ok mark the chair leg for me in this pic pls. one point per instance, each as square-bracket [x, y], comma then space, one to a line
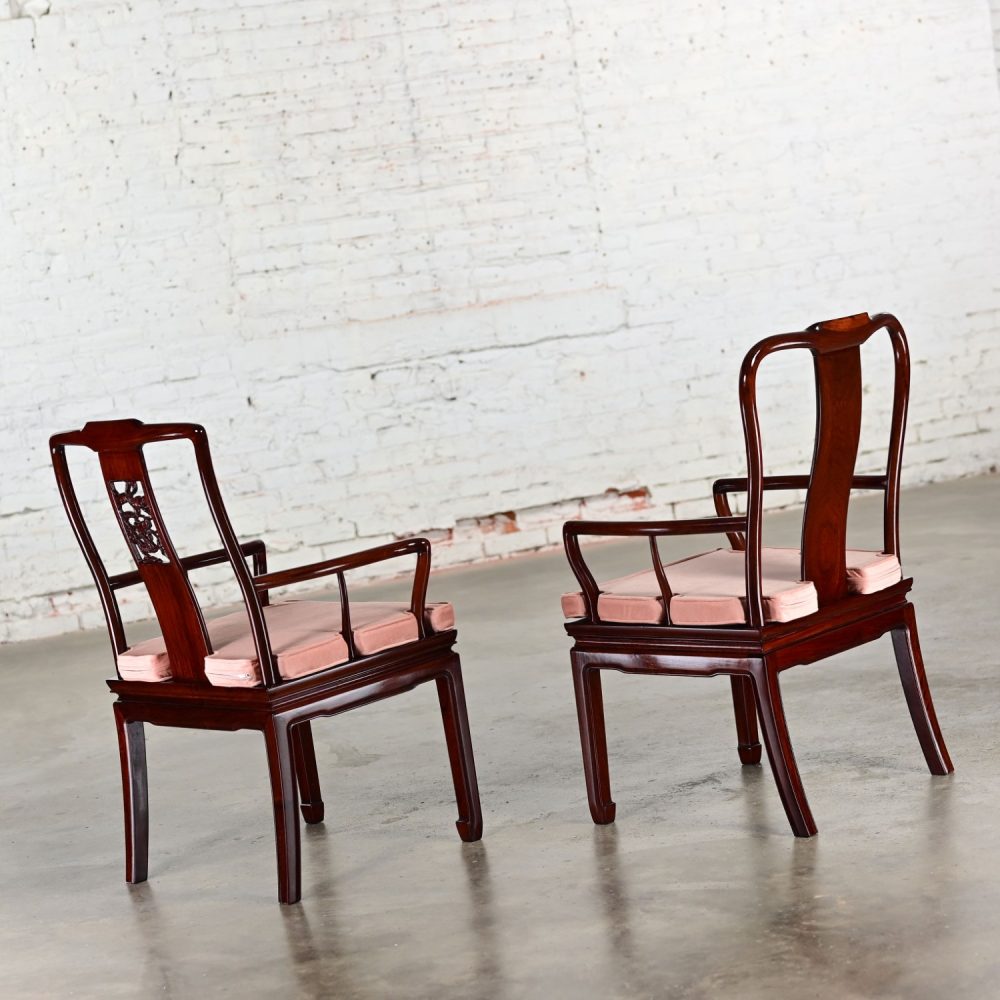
[593, 739]
[451, 696]
[748, 744]
[285, 797]
[308, 775]
[779, 750]
[918, 694]
[135, 795]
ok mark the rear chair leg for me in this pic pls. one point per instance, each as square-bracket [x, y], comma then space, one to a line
[451, 696]
[308, 775]
[593, 739]
[135, 795]
[779, 750]
[747, 742]
[918, 694]
[285, 797]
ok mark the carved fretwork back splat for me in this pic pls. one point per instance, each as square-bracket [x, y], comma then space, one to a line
[138, 523]
[162, 572]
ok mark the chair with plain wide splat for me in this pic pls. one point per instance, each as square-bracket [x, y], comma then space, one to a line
[750, 611]
[271, 666]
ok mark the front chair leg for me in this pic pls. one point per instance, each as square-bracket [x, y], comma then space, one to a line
[918, 694]
[593, 739]
[779, 750]
[454, 714]
[285, 797]
[747, 742]
[135, 795]
[308, 775]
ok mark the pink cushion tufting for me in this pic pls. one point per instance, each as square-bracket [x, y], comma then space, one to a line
[710, 589]
[305, 637]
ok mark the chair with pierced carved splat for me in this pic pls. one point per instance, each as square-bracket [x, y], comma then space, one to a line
[750, 611]
[272, 667]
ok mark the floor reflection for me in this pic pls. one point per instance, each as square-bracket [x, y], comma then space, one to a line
[311, 962]
[483, 918]
[158, 975]
[628, 966]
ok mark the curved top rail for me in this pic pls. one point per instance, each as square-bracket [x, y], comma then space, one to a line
[125, 435]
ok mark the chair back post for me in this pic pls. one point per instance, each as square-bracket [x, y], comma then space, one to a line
[755, 481]
[71, 503]
[897, 432]
[251, 596]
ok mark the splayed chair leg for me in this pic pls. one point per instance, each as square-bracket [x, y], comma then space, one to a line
[779, 750]
[918, 694]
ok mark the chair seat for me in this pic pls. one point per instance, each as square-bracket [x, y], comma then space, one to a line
[305, 637]
[710, 589]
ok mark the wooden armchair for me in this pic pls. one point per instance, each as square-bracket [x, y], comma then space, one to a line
[272, 667]
[751, 612]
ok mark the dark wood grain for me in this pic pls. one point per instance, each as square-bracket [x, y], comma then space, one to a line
[754, 654]
[282, 711]
[838, 430]
[135, 795]
[747, 738]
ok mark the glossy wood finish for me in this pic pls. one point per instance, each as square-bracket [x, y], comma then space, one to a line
[590, 712]
[451, 697]
[313, 810]
[135, 795]
[918, 695]
[745, 708]
[282, 711]
[755, 654]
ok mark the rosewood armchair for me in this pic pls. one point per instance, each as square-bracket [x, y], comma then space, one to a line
[750, 611]
[272, 667]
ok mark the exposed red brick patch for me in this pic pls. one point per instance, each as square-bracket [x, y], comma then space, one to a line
[639, 497]
[502, 523]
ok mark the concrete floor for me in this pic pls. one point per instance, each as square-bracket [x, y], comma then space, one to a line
[698, 890]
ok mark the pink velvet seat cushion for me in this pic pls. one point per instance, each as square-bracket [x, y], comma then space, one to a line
[868, 572]
[710, 589]
[305, 637]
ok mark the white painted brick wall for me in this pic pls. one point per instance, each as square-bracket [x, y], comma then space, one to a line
[465, 267]
[995, 16]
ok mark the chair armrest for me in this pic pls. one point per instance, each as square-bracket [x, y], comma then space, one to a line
[338, 566]
[646, 529]
[652, 530]
[256, 549]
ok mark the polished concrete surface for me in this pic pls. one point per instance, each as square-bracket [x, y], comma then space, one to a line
[698, 890]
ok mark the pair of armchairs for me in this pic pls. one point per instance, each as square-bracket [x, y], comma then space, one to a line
[747, 611]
